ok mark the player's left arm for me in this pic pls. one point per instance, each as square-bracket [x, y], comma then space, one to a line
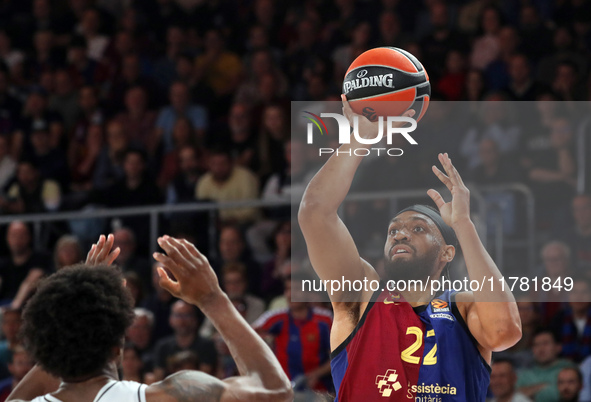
[490, 313]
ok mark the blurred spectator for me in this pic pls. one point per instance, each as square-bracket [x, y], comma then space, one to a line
[85, 145]
[572, 325]
[131, 76]
[19, 365]
[30, 193]
[128, 260]
[578, 235]
[84, 70]
[557, 264]
[272, 138]
[567, 80]
[540, 381]
[570, 384]
[452, 82]
[159, 304]
[183, 136]
[180, 106]
[241, 141]
[10, 56]
[221, 68]
[46, 57]
[183, 184]
[22, 268]
[136, 187]
[139, 334]
[7, 163]
[90, 26]
[165, 67]
[134, 284]
[522, 85]
[585, 371]
[486, 47]
[475, 87]
[536, 37]
[225, 181]
[390, 31]
[184, 360]
[343, 56]
[109, 163]
[552, 173]
[132, 367]
[10, 106]
[290, 330]
[35, 116]
[137, 121]
[184, 322]
[273, 274]
[495, 122]
[565, 48]
[68, 251]
[49, 159]
[232, 247]
[492, 168]
[521, 353]
[235, 284]
[502, 383]
[11, 325]
[497, 72]
[64, 100]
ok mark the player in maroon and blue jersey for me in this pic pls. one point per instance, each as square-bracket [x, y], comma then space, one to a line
[412, 345]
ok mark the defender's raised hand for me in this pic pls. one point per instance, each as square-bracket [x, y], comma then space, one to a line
[195, 281]
[100, 252]
[458, 209]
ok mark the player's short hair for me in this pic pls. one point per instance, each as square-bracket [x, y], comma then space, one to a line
[76, 318]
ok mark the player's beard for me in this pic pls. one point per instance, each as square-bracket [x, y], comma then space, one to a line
[415, 268]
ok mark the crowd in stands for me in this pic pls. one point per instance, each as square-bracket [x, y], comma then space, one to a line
[124, 103]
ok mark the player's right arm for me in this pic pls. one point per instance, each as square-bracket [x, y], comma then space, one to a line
[331, 248]
[262, 378]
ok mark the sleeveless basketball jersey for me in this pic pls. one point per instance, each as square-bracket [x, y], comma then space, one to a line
[400, 353]
[120, 391]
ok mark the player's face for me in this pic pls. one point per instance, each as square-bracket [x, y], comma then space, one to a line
[568, 385]
[413, 246]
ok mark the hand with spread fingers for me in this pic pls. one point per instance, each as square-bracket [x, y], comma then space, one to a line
[458, 209]
[196, 282]
[100, 252]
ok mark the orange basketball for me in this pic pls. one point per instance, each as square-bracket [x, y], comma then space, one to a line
[387, 81]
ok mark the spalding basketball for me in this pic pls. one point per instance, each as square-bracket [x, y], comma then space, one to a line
[387, 81]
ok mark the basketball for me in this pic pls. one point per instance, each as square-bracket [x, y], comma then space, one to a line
[387, 81]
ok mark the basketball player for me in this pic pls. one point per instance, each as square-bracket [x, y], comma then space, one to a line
[383, 346]
[75, 326]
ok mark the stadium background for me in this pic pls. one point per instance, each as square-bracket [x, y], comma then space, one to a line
[122, 103]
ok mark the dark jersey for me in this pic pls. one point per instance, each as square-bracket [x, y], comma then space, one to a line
[401, 353]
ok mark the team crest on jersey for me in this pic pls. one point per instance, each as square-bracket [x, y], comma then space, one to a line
[388, 383]
[439, 305]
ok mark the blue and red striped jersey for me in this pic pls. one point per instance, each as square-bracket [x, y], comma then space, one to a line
[300, 345]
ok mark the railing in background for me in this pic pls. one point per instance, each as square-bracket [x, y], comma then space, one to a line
[155, 211]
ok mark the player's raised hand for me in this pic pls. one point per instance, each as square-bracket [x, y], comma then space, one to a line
[100, 252]
[195, 281]
[367, 128]
[458, 209]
